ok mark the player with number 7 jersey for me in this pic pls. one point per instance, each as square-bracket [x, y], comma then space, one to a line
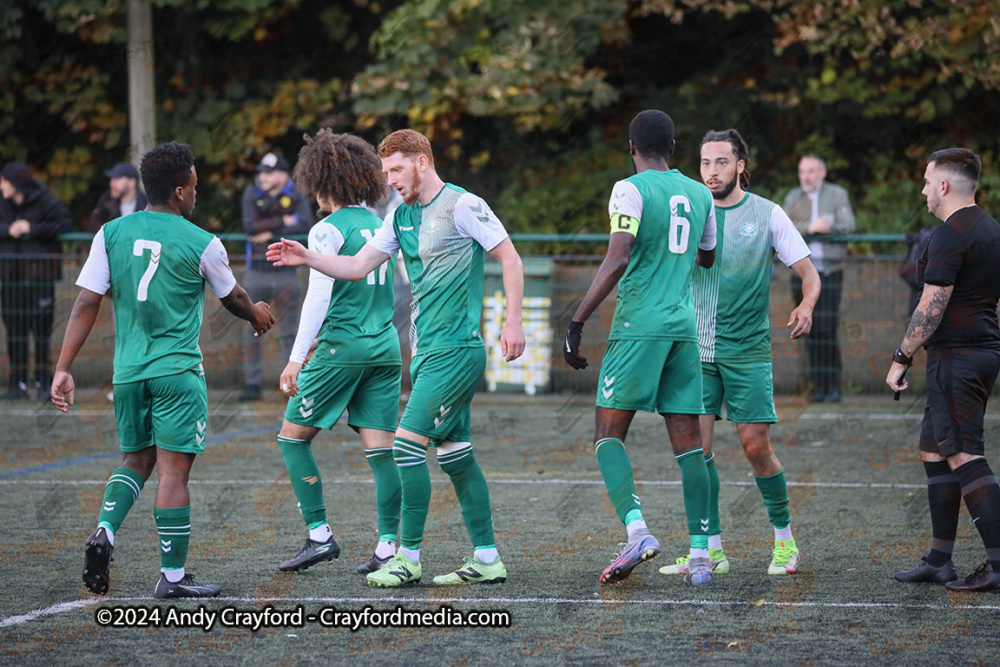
[158, 264]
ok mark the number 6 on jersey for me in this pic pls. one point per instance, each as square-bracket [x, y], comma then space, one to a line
[138, 248]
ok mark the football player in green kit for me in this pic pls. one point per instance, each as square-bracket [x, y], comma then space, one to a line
[444, 233]
[356, 364]
[734, 335]
[156, 264]
[662, 222]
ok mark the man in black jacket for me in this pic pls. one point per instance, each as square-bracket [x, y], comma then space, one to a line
[122, 197]
[272, 207]
[30, 264]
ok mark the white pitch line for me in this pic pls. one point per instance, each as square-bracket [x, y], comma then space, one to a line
[78, 604]
[48, 611]
[588, 482]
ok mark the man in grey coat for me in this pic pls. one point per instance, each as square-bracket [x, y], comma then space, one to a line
[818, 208]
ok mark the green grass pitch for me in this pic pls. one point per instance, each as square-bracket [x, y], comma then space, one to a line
[859, 513]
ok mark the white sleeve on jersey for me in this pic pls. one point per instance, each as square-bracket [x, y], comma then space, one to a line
[786, 239]
[475, 220]
[317, 300]
[625, 200]
[708, 236]
[385, 237]
[96, 272]
[214, 268]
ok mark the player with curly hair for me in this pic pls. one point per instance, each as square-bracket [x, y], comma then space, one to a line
[444, 233]
[356, 365]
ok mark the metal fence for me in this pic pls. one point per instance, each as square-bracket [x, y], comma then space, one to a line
[873, 316]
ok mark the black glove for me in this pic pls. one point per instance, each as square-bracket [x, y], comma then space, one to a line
[571, 346]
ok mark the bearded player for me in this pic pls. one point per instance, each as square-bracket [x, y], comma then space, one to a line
[734, 337]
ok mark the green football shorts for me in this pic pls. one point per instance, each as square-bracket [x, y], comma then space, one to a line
[170, 412]
[370, 396]
[444, 383]
[661, 376]
[747, 386]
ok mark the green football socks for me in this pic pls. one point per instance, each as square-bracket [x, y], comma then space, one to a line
[616, 470]
[473, 493]
[388, 492]
[174, 527]
[120, 493]
[304, 475]
[714, 525]
[415, 480]
[775, 493]
[695, 482]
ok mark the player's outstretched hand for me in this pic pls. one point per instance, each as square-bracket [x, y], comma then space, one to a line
[512, 342]
[63, 390]
[289, 379]
[263, 319]
[286, 253]
[802, 318]
[571, 346]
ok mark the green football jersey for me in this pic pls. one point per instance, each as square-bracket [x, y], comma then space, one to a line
[444, 245]
[676, 217]
[732, 297]
[357, 330]
[156, 265]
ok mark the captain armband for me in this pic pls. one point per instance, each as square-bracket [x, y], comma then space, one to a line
[624, 223]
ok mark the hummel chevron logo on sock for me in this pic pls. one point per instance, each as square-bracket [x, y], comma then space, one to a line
[110, 507]
[166, 545]
[704, 525]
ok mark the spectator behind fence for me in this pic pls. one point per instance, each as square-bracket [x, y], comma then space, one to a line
[272, 207]
[816, 208]
[122, 197]
[30, 220]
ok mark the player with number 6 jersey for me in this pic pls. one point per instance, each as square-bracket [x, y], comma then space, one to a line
[662, 222]
[156, 264]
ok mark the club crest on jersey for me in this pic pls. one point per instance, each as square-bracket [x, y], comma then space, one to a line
[749, 228]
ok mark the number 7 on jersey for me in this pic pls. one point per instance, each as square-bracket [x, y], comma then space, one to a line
[140, 246]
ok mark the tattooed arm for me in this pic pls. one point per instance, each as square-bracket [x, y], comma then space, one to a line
[926, 317]
[923, 324]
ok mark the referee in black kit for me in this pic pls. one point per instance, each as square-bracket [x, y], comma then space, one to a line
[956, 320]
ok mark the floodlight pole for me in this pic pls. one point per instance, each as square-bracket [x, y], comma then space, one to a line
[141, 94]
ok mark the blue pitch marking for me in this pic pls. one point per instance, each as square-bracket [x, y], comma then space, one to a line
[97, 457]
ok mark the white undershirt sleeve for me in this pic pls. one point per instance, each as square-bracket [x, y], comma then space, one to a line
[625, 200]
[96, 272]
[385, 237]
[786, 239]
[325, 239]
[474, 219]
[708, 236]
[214, 268]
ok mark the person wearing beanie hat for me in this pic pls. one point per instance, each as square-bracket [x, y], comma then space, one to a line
[123, 197]
[31, 218]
